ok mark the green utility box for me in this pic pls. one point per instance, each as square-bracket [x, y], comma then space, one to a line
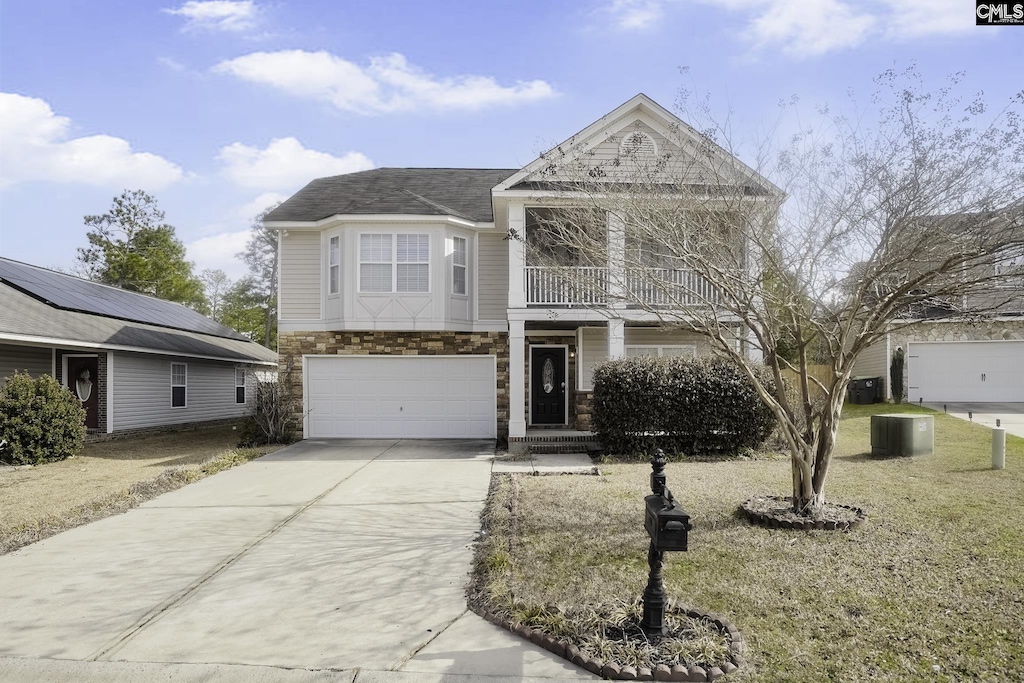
[896, 435]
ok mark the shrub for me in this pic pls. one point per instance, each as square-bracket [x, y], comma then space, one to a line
[269, 420]
[691, 406]
[40, 420]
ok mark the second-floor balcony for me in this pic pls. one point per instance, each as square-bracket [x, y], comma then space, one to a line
[589, 286]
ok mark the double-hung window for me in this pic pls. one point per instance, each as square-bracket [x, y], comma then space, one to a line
[334, 266]
[239, 385]
[413, 272]
[375, 263]
[406, 268]
[459, 265]
[179, 384]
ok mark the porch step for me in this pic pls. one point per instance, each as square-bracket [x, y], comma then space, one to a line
[550, 447]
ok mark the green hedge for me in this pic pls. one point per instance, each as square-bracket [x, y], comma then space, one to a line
[40, 420]
[689, 406]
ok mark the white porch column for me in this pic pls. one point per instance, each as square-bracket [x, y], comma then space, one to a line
[516, 255]
[516, 378]
[616, 235]
[616, 338]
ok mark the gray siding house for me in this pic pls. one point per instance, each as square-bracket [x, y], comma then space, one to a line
[135, 362]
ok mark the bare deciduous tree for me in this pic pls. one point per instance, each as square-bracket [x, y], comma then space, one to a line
[864, 228]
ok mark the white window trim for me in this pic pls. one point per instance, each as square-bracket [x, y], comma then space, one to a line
[395, 262]
[692, 348]
[464, 266]
[245, 389]
[333, 261]
[173, 385]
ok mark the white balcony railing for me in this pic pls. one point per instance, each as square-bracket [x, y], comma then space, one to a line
[589, 286]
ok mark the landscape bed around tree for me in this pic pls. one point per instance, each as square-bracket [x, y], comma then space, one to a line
[776, 512]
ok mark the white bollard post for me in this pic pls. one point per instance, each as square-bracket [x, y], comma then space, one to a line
[998, 448]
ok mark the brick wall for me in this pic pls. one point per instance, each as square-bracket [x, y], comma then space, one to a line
[291, 346]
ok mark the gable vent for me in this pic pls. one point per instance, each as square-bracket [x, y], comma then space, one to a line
[638, 145]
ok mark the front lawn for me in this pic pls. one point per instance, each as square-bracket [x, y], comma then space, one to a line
[931, 588]
[108, 477]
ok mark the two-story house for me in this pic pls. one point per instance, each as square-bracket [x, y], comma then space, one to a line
[409, 305]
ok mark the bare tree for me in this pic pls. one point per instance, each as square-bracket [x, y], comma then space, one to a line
[864, 228]
[216, 283]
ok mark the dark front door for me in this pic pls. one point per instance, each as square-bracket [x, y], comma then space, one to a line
[547, 386]
[82, 381]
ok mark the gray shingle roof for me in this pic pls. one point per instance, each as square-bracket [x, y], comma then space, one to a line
[461, 192]
[26, 316]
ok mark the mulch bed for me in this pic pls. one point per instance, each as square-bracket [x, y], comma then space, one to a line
[616, 671]
[776, 512]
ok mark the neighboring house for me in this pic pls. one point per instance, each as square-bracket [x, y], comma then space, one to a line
[951, 357]
[407, 311]
[137, 363]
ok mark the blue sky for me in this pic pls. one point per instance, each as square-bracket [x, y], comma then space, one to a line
[219, 108]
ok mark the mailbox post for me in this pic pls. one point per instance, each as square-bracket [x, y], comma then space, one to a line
[668, 525]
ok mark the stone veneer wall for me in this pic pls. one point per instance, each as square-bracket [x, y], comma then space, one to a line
[291, 346]
[584, 410]
[570, 380]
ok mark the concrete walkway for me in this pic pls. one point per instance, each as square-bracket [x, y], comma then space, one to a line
[1010, 415]
[326, 561]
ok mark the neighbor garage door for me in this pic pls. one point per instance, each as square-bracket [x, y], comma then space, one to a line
[966, 372]
[401, 396]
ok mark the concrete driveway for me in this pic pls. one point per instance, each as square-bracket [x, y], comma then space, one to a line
[1010, 415]
[328, 560]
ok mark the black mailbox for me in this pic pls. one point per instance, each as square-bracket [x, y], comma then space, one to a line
[667, 523]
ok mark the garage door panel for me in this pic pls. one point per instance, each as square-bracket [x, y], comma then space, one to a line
[401, 396]
[974, 372]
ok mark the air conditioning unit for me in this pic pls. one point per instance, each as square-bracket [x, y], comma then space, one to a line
[898, 435]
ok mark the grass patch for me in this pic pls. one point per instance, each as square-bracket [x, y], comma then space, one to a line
[109, 478]
[930, 589]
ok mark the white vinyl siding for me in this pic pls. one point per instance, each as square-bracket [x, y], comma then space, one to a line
[459, 265]
[492, 274]
[595, 347]
[334, 266]
[665, 351]
[873, 362]
[142, 387]
[301, 287]
[32, 359]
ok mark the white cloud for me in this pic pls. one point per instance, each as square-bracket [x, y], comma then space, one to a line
[234, 16]
[35, 144]
[805, 28]
[218, 251]
[285, 164]
[387, 84]
[635, 14]
[261, 203]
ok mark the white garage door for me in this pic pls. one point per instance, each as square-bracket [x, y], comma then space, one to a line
[966, 372]
[401, 396]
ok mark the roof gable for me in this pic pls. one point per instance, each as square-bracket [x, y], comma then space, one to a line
[686, 153]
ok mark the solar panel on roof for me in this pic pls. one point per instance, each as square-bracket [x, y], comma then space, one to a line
[71, 293]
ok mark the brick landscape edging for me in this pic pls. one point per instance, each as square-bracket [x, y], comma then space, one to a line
[619, 672]
[769, 521]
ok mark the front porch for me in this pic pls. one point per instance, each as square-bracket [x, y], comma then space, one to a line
[551, 366]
